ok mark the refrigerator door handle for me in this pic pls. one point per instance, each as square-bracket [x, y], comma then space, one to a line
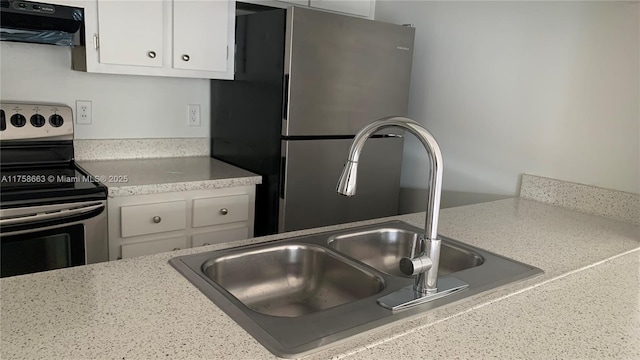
[285, 97]
[283, 176]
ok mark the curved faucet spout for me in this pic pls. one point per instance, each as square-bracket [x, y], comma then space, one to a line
[347, 182]
[347, 186]
[348, 178]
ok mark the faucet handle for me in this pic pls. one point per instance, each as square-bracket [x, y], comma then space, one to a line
[415, 266]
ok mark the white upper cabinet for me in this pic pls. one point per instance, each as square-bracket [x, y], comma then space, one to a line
[199, 33]
[297, 2]
[179, 38]
[131, 34]
[362, 8]
[355, 7]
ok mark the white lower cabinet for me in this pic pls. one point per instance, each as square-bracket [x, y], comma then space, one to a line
[220, 210]
[152, 218]
[142, 248]
[148, 224]
[219, 236]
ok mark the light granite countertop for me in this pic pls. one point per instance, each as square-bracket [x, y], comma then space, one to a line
[585, 305]
[149, 176]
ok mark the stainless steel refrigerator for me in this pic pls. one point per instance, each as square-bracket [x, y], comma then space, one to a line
[306, 81]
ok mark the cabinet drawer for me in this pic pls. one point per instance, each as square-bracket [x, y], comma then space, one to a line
[153, 218]
[220, 210]
[153, 247]
[219, 236]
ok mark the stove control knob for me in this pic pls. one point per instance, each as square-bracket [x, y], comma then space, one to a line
[56, 120]
[37, 120]
[18, 120]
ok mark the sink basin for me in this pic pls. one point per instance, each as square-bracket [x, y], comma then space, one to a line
[383, 248]
[291, 280]
[299, 295]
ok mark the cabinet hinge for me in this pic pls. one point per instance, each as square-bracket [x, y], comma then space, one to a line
[96, 41]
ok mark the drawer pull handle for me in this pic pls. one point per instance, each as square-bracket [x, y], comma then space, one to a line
[157, 219]
[176, 249]
[224, 211]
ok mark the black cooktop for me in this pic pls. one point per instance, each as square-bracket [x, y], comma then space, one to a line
[38, 184]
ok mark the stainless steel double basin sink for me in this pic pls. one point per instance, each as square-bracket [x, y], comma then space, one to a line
[302, 294]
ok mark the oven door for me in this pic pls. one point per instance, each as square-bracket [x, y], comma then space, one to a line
[48, 237]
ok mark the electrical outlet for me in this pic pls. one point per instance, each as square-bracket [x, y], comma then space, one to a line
[193, 115]
[83, 112]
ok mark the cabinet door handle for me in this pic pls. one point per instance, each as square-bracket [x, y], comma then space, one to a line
[224, 211]
[152, 54]
[185, 57]
[157, 219]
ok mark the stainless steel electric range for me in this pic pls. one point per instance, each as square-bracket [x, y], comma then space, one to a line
[52, 212]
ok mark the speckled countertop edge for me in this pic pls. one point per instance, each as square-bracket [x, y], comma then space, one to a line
[182, 186]
[138, 296]
[114, 149]
[124, 177]
[614, 204]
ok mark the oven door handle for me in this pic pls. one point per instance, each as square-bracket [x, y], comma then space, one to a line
[50, 216]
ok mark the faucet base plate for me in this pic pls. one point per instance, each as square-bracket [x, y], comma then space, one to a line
[407, 297]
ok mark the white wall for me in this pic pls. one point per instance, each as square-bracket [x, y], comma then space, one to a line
[123, 106]
[547, 88]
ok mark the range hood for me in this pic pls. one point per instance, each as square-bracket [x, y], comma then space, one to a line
[33, 22]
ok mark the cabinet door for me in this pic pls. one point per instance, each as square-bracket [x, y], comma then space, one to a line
[200, 35]
[153, 247]
[130, 32]
[219, 236]
[355, 7]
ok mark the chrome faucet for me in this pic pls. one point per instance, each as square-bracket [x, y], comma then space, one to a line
[424, 266]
